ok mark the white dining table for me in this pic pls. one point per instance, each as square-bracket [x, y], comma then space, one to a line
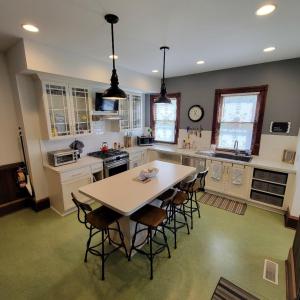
[125, 195]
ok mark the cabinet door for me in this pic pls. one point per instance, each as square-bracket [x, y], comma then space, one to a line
[212, 183]
[81, 108]
[72, 186]
[136, 111]
[238, 181]
[57, 110]
[124, 112]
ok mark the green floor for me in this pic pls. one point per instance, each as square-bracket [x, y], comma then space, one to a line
[41, 257]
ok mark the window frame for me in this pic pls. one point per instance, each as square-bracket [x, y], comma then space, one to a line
[177, 122]
[259, 114]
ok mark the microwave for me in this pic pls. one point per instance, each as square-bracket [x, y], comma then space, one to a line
[62, 157]
[145, 141]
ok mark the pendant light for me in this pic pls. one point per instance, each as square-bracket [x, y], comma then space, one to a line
[162, 98]
[113, 92]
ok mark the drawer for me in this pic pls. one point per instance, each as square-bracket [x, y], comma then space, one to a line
[270, 176]
[260, 185]
[268, 199]
[277, 189]
[70, 175]
[97, 167]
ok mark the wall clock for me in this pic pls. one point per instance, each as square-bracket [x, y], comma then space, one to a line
[196, 113]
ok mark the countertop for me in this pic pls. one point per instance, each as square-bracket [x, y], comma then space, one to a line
[81, 163]
[256, 161]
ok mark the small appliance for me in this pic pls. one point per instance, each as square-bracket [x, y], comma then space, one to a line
[62, 157]
[106, 105]
[145, 140]
[114, 161]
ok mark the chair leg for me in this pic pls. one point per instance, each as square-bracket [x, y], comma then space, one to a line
[133, 242]
[151, 254]
[88, 245]
[185, 219]
[174, 227]
[122, 239]
[191, 210]
[198, 206]
[166, 241]
[102, 253]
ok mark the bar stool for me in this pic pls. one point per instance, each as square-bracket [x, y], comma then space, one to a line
[191, 186]
[98, 221]
[152, 218]
[174, 202]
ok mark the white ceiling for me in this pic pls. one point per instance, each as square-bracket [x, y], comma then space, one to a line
[223, 33]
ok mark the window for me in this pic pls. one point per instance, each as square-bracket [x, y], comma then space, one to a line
[164, 119]
[238, 116]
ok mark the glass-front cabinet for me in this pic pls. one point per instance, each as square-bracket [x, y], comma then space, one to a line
[68, 110]
[130, 111]
[81, 108]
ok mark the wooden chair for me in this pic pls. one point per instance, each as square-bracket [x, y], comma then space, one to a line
[151, 218]
[99, 221]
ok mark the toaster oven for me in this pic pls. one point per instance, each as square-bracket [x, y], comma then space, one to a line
[62, 157]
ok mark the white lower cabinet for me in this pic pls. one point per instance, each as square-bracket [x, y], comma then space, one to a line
[234, 179]
[62, 184]
[137, 159]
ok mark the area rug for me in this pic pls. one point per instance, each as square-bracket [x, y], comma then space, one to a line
[223, 203]
[227, 290]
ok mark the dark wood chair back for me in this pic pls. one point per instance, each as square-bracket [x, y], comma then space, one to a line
[201, 177]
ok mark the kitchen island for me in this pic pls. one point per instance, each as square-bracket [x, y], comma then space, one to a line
[125, 195]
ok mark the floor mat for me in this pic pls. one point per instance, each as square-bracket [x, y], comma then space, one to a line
[223, 203]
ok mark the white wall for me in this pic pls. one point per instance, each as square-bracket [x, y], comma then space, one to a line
[9, 145]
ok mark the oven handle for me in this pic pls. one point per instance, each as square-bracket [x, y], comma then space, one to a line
[116, 164]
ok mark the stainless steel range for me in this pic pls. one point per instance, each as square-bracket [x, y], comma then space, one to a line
[114, 161]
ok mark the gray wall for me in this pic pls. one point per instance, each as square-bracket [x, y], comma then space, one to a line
[283, 101]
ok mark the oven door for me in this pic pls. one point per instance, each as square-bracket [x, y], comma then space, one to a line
[116, 167]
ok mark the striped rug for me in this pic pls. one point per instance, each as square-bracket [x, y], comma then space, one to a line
[223, 203]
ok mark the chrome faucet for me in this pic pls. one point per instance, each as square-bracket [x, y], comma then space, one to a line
[236, 147]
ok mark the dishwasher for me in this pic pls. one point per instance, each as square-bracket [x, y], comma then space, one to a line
[196, 162]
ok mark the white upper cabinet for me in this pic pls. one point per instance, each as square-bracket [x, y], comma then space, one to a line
[130, 111]
[81, 105]
[67, 110]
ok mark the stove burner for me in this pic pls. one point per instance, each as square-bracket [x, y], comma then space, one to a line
[110, 155]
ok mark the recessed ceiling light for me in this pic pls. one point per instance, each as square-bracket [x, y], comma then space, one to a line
[115, 56]
[154, 71]
[200, 62]
[30, 27]
[269, 49]
[265, 10]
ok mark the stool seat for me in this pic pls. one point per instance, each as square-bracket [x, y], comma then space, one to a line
[180, 198]
[149, 215]
[102, 217]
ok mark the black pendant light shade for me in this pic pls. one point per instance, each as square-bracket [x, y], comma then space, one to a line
[113, 92]
[162, 98]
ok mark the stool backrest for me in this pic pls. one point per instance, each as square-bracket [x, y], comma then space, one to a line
[82, 210]
[201, 177]
[180, 195]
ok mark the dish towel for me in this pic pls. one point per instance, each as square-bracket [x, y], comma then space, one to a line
[237, 176]
[216, 171]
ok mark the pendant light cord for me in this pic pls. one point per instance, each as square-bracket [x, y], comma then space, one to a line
[164, 65]
[113, 44]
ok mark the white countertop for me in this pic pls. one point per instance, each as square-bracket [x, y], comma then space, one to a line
[81, 163]
[256, 161]
[125, 195]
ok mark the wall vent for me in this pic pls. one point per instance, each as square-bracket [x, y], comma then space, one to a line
[270, 271]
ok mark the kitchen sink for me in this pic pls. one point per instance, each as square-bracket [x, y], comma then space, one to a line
[240, 157]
